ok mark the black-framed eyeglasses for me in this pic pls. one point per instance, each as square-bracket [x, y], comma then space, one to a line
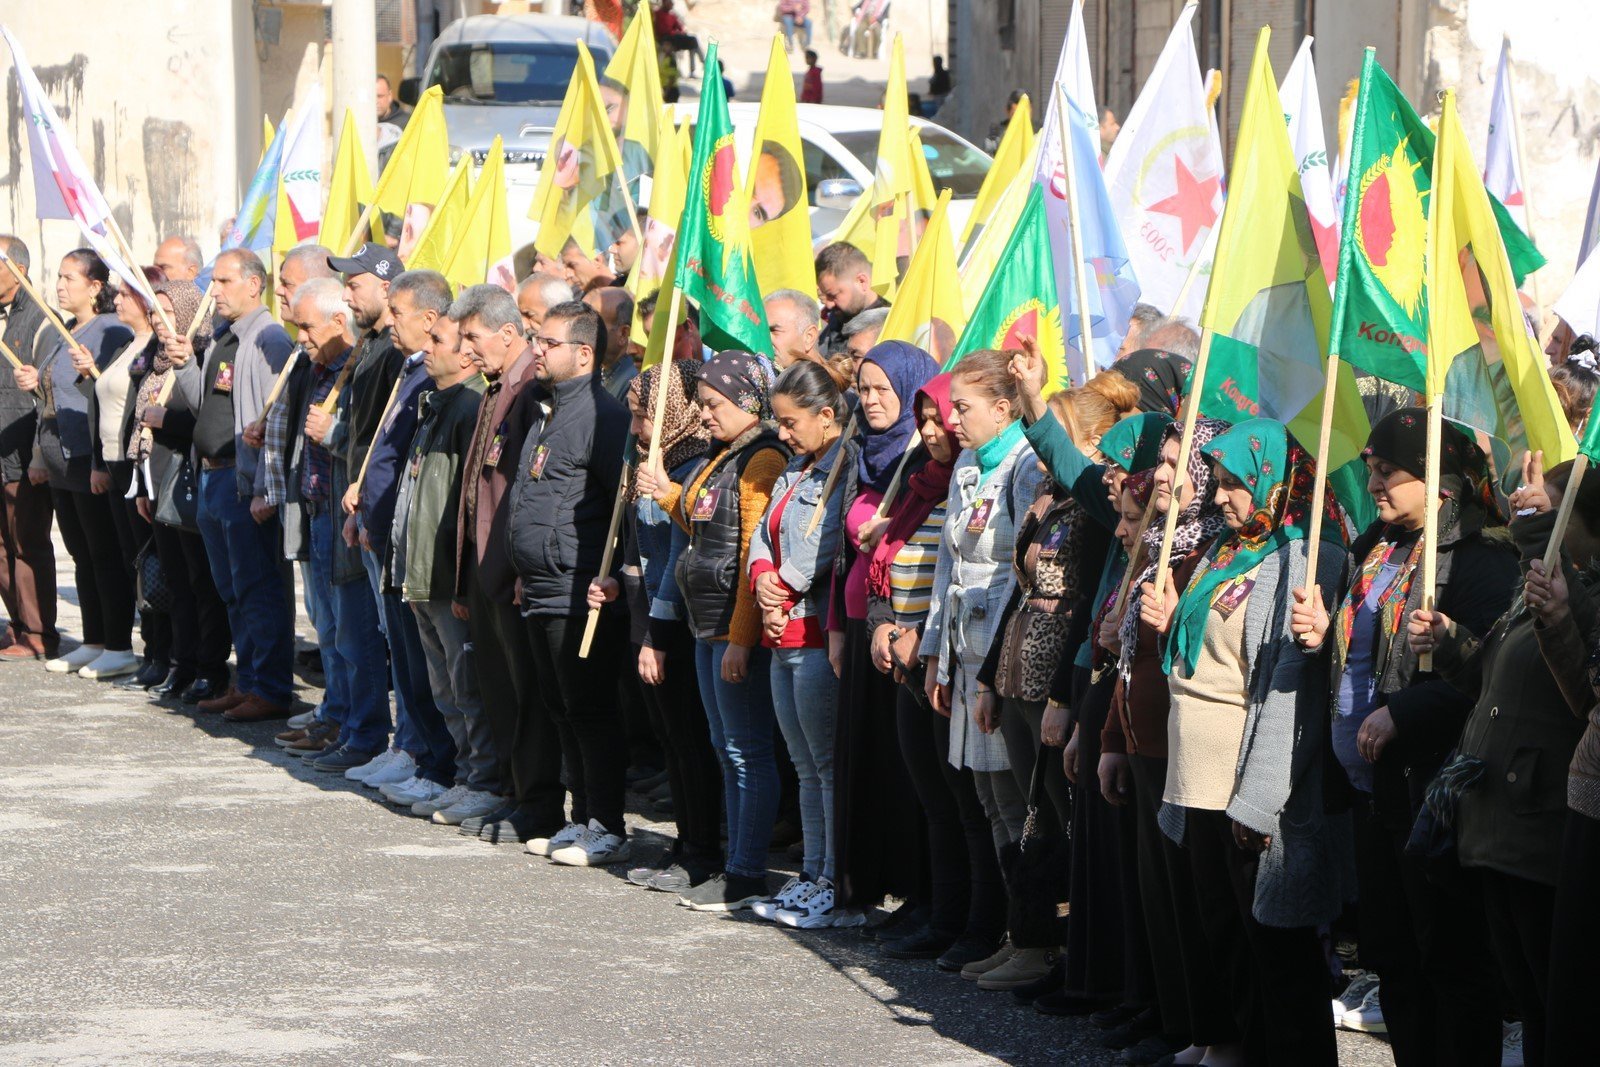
[551, 342]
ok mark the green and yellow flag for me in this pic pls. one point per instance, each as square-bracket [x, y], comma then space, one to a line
[1020, 299]
[482, 249]
[581, 171]
[780, 216]
[1267, 307]
[929, 312]
[982, 257]
[1479, 346]
[713, 267]
[1012, 157]
[349, 190]
[414, 180]
[432, 247]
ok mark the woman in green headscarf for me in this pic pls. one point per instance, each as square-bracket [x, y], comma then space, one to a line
[1245, 743]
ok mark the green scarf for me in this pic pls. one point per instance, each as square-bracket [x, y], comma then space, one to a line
[993, 452]
[1134, 444]
[1279, 474]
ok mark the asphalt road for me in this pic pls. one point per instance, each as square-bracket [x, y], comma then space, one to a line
[176, 891]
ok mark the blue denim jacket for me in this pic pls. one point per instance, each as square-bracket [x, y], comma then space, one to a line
[660, 542]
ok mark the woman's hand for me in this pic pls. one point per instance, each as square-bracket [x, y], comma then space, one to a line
[1053, 728]
[146, 512]
[985, 715]
[1028, 369]
[1248, 840]
[881, 658]
[653, 481]
[1110, 636]
[1155, 610]
[1375, 734]
[1070, 757]
[1426, 629]
[26, 377]
[771, 593]
[773, 623]
[1546, 594]
[735, 664]
[870, 532]
[905, 649]
[82, 361]
[1308, 619]
[1531, 496]
[652, 665]
[602, 591]
[1115, 778]
[38, 476]
[99, 482]
[938, 695]
[836, 652]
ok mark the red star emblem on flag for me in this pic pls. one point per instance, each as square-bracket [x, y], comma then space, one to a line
[1190, 202]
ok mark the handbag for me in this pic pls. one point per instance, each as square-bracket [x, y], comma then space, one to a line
[1038, 872]
[155, 595]
[178, 497]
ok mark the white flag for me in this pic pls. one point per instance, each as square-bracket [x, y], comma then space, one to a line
[62, 186]
[1501, 173]
[301, 173]
[1579, 306]
[1302, 108]
[1165, 178]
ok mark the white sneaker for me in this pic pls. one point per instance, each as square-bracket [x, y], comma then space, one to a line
[1511, 1045]
[1353, 995]
[399, 769]
[793, 891]
[596, 848]
[411, 791]
[1367, 1018]
[474, 805]
[301, 721]
[424, 809]
[372, 766]
[811, 911]
[110, 665]
[543, 846]
[76, 660]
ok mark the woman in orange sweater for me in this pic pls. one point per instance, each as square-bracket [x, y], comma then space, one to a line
[720, 504]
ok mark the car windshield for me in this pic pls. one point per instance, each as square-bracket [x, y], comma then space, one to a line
[955, 165]
[505, 73]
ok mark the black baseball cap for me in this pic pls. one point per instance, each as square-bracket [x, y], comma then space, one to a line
[372, 259]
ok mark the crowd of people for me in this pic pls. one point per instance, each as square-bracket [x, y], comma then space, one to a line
[907, 617]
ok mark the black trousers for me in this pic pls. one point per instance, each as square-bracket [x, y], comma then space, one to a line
[1020, 724]
[1193, 1004]
[201, 639]
[877, 821]
[966, 895]
[1425, 939]
[1521, 916]
[1275, 979]
[103, 575]
[527, 748]
[679, 719]
[1574, 988]
[579, 697]
[133, 533]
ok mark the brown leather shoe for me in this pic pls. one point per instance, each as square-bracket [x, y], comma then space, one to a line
[256, 708]
[222, 703]
[320, 737]
[289, 737]
[23, 649]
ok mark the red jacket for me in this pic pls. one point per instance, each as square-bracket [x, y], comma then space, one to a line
[811, 90]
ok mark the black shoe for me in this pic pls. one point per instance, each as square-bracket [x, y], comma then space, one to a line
[151, 674]
[674, 879]
[1065, 1002]
[1152, 1049]
[204, 689]
[966, 950]
[925, 944]
[908, 918]
[172, 685]
[1111, 1018]
[725, 892]
[1050, 983]
[1127, 1035]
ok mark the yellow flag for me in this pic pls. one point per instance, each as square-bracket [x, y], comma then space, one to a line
[635, 76]
[667, 192]
[1476, 332]
[268, 132]
[1011, 158]
[893, 180]
[348, 190]
[924, 195]
[983, 258]
[482, 251]
[780, 218]
[929, 311]
[578, 167]
[432, 247]
[413, 183]
[858, 227]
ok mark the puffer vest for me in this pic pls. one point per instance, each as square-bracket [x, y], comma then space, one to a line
[708, 569]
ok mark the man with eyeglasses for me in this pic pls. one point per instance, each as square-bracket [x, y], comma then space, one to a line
[561, 502]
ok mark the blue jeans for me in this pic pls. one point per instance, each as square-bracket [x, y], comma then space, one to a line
[788, 31]
[245, 559]
[740, 715]
[419, 728]
[805, 695]
[356, 671]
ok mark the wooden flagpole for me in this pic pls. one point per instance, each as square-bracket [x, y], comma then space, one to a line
[388, 406]
[1191, 411]
[1569, 496]
[1075, 240]
[628, 448]
[132, 260]
[11, 357]
[833, 476]
[899, 473]
[1430, 522]
[1319, 484]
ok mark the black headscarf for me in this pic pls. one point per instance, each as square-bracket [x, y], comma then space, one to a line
[1161, 378]
[1401, 438]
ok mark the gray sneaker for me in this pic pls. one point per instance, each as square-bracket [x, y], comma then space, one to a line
[424, 809]
[474, 804]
